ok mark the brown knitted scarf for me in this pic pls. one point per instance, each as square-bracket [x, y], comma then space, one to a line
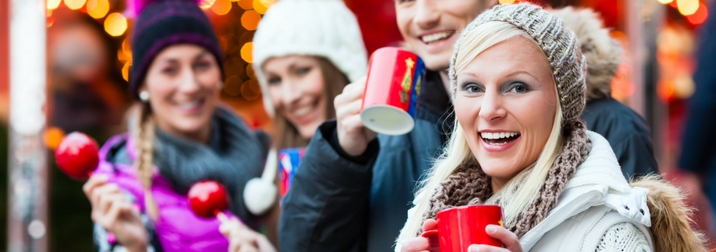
[469, 185]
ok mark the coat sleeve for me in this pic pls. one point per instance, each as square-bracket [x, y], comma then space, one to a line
[326, 208]
[636, 156]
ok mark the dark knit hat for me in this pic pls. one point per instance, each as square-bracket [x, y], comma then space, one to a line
[164, 23]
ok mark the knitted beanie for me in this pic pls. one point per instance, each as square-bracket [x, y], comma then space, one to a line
[164, 23]
[601, 51]
[324, 28]
[558, 44]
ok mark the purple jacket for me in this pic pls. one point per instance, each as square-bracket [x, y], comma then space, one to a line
[178, 228]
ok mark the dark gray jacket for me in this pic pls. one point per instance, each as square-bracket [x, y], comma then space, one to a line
[341, 203]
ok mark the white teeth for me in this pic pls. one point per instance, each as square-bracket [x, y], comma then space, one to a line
[188, 105]
[496, 135]
[303, 111]
[436, 37]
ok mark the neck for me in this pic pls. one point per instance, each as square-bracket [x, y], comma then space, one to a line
[446, 81]
[497, 184]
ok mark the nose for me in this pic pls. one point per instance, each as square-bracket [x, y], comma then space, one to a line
[491, 107]
[290, 93]
[427, 15]
[189, 82]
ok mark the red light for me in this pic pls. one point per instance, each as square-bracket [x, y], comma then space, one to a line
[699, 16]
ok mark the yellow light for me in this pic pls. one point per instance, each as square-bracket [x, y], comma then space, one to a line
[260, 7]
[246, 52]
[246, 4]
[75, 4]
[665, 1]
[97, 8]
[250, 20]
[268, 3]
[205, 4]
[232, 86]
[125, 71]
[221, 7]
[53, 4]
[53, 137]
[687, 7]
[507, 1]
[115, 24]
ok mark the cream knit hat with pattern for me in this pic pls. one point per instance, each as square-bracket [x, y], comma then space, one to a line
[557, 42]
[324, 28]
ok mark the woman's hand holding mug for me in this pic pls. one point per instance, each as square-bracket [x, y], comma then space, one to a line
[353, 136]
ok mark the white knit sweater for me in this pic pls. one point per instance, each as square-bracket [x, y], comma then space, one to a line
[624, 237]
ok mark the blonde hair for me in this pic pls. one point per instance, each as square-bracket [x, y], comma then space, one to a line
[142, 129]
[516, 196]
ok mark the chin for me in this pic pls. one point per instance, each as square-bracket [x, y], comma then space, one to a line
[437, 62]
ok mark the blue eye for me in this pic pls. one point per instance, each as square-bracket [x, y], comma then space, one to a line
[302, 71]
[518, 87]
[472, 88]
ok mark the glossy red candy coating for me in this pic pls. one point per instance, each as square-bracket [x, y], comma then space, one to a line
[208, 198]
[78, 155]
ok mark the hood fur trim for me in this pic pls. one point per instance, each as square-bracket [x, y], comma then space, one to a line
[603, 53]
[670, 217]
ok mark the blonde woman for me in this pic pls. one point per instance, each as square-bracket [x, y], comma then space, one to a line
[518, 87]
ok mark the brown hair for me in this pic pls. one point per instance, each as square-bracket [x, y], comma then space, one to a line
[287, 135]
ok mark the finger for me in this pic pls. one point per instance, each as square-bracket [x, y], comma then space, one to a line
[116, 209]
[92, 183]
[512, 243]
[430, 224]
[349, 110]
[352, 92]
[415, 244]
[264, 245]
[353, 125]
[107, 200]
[486, 248]
[102, 190]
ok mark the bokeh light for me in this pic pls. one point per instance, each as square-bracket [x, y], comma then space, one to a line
[250, 20]
[700, 16]
[687, 7]
[246, 4]
[246, 52]
[205, 4]
[267, 3]
[665, 1]
[221, 7]
[97, 8]
[115, 24]
[232, 86]
[75, 4]
[250, 90]
[507, 1]
[234, 66]
[260, 7]
[250, 71]
[125, 71]
[53, 137]
[53, 4]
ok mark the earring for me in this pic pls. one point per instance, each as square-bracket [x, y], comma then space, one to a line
[144, 96]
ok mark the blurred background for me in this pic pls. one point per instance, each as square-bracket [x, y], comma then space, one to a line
[88, 58]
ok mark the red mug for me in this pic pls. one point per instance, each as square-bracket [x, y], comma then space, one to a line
[391, 91]
[460, 227]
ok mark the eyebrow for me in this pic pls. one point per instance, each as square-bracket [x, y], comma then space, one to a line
[174, 59]
[518, 72]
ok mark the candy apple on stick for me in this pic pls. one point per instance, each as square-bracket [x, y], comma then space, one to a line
[208, 199]
[77, 156]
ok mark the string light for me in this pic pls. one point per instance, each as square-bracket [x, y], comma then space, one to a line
[260, 7]
[665, 1]
[507, 1]
[97, 8]
[250, 20]
[251, 90]
[75, 4]
[687, 7]
[205, 4]
[246, 4]
[221, 7]
[246, 52]
[115, 24]
[699, 17]
[53, 4]
[53, 137]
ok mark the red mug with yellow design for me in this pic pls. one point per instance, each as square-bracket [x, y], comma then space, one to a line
[460, 227]
[392, 91]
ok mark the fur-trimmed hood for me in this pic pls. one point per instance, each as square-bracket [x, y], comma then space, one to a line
[603, 54]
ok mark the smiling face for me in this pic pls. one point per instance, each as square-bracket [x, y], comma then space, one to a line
[297, 90]
[430, 27]
[506, 102]
[183, 83]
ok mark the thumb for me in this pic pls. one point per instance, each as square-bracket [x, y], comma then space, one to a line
[430, 224]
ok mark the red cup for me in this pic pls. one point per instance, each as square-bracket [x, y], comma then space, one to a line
[460, 227]
[391, 91]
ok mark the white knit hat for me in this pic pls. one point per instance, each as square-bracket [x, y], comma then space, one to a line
[325, 28]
